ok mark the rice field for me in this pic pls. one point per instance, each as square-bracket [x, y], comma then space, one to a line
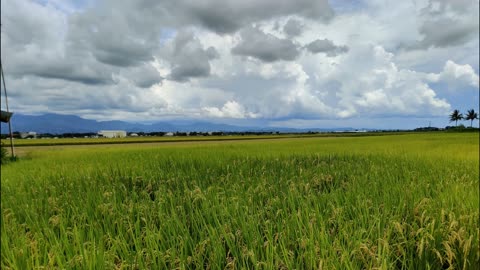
[166, 139]
[406, 201]
[129, 140]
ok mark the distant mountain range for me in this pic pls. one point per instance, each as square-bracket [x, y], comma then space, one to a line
[59, 124]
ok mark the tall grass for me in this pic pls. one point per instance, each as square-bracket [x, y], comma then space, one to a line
[405, 202]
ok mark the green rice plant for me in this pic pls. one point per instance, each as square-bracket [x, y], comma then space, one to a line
[389, 202]
[3, 154]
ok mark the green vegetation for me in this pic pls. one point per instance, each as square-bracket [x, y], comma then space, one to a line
[471, 115]
[385, 202]
[3, 154]
[455, 116]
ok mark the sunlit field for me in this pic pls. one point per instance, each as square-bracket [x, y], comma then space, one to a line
[407, 201]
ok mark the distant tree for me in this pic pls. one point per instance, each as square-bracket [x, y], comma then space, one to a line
[471, 115]
[455, 116]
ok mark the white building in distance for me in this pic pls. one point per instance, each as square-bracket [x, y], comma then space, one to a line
[113, 133]
[30, 134]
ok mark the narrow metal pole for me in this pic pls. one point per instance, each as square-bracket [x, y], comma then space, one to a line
[6, 103]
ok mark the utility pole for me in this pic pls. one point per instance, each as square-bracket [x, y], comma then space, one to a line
[6, 103]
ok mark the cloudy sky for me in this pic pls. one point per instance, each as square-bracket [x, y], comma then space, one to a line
[303, 63]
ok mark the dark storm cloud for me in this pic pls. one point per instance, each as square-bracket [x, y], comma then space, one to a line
[38, 45]
[144, 76]
[117, 39]
[80, 76]
[32, 28]
[447, 32]
[189, 59]
[55, 67]
[448, 23]
[227, 16]
[184, 72]
[293, 28]
[326, 46]
[265, 47]
[220, 16]
[122, 53]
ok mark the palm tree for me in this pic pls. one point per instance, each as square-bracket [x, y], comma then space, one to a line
[455, 116]
[471, 115]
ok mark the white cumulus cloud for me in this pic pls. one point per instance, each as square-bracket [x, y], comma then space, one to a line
[231, 109]
[456, 75]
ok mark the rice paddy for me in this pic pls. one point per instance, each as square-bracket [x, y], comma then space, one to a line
[406, 201]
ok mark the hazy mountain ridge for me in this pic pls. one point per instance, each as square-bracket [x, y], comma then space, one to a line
[58, 124]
